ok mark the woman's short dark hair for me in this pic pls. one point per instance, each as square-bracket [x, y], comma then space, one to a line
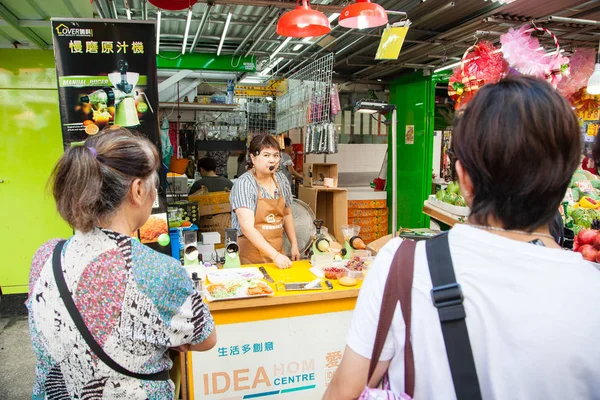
[519, 142]
[91, 180]
[259, 143]
[287, 142]
[207, 164]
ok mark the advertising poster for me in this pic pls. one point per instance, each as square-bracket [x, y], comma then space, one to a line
[392, 41]
[106, 73]
[288, 359]
[409, 136]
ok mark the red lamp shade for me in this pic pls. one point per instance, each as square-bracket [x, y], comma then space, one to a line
[173, 5]
[363, 14]
[303, 22]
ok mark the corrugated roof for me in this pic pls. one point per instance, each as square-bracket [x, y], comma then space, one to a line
[34, 18]
[433, 35]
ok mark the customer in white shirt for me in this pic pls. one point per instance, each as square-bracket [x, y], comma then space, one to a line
[532, 311]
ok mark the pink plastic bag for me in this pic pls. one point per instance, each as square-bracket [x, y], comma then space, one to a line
[336, 107]
[382, 393]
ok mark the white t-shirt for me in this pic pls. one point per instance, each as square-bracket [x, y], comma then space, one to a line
[533, 315]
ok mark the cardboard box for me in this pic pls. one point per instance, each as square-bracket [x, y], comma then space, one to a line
[212, 203]
[367, 204]
[328, 204]
[213, 209]
[367, 221]
[372, 237]
[374, 243]
[209, 198]
[314, 174]
[367, 212]
[380, 228]
[215, 223]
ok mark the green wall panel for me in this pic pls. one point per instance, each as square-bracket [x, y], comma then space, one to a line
[30, 145]
[413, 97]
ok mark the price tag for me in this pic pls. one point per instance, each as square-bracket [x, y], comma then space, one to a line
[585, 186]
[592, 129]
[569, 196]
[591, 115]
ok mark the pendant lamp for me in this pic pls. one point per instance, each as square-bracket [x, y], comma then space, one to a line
[593, 86]
[363, 14]
[173, 5]
[303, 22]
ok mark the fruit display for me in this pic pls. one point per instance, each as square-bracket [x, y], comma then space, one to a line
[355, 264]
[333, 272]
[587, 242]
[583, 197]
[451, 195]
[238, 289]
[348, 281]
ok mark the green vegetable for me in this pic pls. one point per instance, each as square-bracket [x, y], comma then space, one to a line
[585, 221]
[589, 175]
[460, 202]
[440, 195]
[453, 187]
[576, 194]
[576, 213]
[451, 198]
[579, 176]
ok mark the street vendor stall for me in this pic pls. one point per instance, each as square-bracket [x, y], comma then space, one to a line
[441, 215]
[284, 346]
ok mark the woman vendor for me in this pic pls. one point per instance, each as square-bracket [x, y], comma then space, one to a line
[261, 202]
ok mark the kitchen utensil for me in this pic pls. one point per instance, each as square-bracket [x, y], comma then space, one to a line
[266, 275]
[301, 286]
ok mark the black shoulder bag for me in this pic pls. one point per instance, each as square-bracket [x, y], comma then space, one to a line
[447, 297]
[84, 331]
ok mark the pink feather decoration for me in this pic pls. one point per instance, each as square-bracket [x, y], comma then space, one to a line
[582, 64]
[524, 53]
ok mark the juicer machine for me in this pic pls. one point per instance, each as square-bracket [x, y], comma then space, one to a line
[352, 240]
[122, 96]
[321, 243]
[232, 249]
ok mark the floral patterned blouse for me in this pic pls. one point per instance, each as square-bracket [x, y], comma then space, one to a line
[136, 302]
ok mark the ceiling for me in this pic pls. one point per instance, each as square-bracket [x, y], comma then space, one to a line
[441, 30]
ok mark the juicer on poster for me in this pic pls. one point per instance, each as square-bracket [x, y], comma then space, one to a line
[122, 96]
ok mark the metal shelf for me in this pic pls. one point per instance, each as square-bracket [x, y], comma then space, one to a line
[201, 106]
[220, 145]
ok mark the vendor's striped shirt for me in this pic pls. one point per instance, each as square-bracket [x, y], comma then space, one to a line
[244, 194]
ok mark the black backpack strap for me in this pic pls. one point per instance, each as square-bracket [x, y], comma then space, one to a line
[65, 294]
[448, 299]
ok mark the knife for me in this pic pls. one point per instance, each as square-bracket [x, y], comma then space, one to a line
[266, 275]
